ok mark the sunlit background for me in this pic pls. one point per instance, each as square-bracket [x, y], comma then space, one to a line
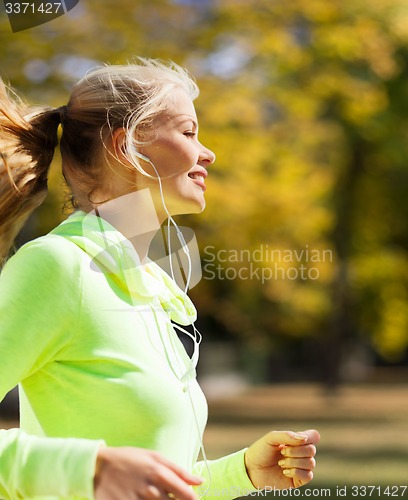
[303, 302]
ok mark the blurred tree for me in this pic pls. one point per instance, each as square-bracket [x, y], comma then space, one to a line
[313, 109]
[305, 104]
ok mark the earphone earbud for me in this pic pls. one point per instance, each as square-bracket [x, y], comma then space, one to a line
[142, 157]
[123, 148]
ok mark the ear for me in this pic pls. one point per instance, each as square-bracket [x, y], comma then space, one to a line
[119, 144]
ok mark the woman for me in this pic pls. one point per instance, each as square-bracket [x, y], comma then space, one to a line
[109, 404]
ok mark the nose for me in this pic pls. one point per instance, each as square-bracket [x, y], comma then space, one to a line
[207, 156]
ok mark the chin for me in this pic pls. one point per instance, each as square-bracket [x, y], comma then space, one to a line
[194, 207]
[199, 207]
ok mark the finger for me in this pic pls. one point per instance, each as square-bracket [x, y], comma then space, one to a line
[298, 463]
[182, 473]
[307, 450]
[154, 493]
[312, 436]
[299, 476]
[276, 438]
[168, 481]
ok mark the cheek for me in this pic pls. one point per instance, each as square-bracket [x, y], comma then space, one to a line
[178, 165]
[176, 160]
[180, 181]
[173, 157]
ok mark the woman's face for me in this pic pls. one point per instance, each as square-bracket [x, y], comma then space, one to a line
[179, 158]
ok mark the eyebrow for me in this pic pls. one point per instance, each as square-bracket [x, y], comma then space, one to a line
[188, 119]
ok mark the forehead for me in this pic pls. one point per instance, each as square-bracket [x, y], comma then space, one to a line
[181, 106]
[179, 109]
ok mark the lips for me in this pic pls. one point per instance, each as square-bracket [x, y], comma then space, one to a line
[198, 176]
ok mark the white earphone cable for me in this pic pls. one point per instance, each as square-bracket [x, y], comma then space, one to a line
[196, 336]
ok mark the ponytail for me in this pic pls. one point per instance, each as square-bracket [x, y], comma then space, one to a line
[28, 137]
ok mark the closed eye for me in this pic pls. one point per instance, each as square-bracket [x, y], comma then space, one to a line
[190, 134]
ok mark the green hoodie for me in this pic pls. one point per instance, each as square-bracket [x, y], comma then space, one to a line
[86, 332]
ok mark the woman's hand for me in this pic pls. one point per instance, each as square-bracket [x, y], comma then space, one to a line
[282, 459]
[132, 473]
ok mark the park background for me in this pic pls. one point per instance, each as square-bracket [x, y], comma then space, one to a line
[305, 104]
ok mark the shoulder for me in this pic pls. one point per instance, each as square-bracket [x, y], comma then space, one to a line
[43, 278]
[51, 245]
[48, 255]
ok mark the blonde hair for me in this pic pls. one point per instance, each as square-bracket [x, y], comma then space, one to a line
[110, 97]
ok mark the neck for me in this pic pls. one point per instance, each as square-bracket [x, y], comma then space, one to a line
[135, 216]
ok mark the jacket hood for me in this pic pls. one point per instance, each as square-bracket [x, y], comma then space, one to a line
[114, 255]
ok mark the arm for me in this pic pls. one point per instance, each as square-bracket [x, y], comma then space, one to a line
[225, 478]
[35, 324]
[31, 466]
